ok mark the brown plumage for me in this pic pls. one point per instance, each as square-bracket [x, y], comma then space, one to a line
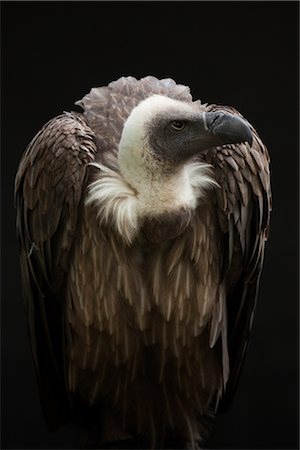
[139, 311]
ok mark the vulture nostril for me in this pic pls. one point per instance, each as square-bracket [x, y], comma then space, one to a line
[215, 119]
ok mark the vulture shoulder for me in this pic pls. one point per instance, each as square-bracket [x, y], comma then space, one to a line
[243, 206]
[48, 189]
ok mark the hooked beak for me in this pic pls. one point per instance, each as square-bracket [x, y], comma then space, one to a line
[220, 128]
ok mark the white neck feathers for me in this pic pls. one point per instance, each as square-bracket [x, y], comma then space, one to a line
[126, 207]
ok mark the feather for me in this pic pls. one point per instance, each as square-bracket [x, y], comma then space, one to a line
[175, 254]
[167, 400]
[177, 279]
[232, 163]
[244, 191]
[44, 226]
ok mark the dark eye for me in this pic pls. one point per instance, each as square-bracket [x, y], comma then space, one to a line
[178, 125]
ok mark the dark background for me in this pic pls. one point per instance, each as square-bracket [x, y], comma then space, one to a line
[241, 54]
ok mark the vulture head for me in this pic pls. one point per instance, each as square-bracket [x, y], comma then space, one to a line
[160, 140]
[173, 131]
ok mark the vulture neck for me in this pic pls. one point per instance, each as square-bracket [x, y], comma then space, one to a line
[158, 188]
[164, 193]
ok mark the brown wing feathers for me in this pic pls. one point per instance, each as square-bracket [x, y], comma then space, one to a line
[244, 206]
[48, 191]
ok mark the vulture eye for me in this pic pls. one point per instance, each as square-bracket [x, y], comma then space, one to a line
[178, 125]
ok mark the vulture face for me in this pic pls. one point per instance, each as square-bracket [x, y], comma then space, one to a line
[173, 131]
[162, 135]
[178, 136]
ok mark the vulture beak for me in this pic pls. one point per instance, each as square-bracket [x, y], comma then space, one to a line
[220, 128]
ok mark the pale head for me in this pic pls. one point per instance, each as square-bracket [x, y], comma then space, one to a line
[158, 137]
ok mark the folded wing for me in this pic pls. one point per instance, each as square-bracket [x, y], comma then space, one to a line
[243, 206]
[49, 187]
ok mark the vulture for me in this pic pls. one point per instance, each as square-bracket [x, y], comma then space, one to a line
[142, 222]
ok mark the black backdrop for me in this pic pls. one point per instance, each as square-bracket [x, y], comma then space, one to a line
[241, 54]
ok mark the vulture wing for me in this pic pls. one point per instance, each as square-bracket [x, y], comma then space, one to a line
[48, 191]
[243, 208]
